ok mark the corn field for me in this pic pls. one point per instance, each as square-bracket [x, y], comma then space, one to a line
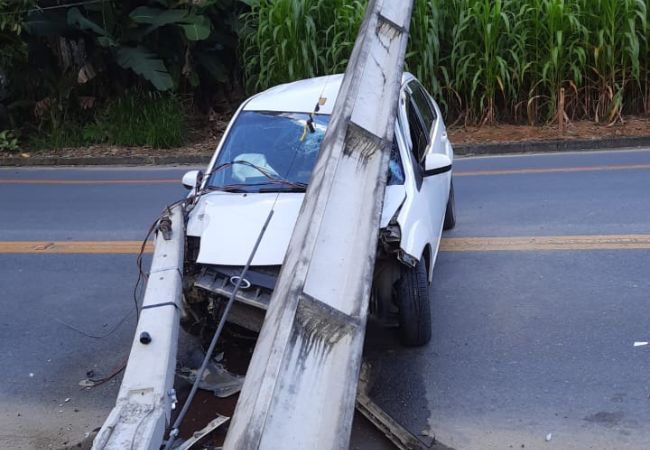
[485, 61]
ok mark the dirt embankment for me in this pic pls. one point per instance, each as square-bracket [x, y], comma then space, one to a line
[631, 127]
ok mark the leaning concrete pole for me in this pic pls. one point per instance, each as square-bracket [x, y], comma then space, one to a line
[146, 397]
[301, 384]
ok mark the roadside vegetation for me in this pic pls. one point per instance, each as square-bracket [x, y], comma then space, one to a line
[139, 72]
[128, 72]
[521, 61]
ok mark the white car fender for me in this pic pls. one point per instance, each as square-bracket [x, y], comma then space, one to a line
[420, 238]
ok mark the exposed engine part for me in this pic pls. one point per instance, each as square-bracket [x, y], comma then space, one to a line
[405, 258]
[207, 288]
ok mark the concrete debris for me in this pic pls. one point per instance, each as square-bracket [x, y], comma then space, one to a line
[86, 383]
[198, 435]
[216, 378]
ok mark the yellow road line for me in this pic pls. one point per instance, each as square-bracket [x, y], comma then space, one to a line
[474, 173]
[72, 247]
[459, 244]
[141, 181]
[460, 173]
[546, 243]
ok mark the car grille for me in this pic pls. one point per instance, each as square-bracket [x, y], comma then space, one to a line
[255, 291]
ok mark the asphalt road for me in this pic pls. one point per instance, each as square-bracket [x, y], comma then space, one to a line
[526, 342]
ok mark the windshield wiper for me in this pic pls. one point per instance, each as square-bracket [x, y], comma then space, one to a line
[227, 188]
[284, 185]
[284, 188]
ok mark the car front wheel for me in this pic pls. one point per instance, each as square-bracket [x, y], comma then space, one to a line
[414, 308]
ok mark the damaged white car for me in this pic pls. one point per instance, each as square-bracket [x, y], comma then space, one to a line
[265, 160]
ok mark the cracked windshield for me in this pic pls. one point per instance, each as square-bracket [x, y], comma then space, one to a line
[268, 152]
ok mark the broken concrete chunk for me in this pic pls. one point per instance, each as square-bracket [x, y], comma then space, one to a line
[216, 378]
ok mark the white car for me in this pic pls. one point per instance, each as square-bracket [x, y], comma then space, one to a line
[264, 161]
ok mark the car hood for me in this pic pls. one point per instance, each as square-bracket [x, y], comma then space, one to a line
[229, 224]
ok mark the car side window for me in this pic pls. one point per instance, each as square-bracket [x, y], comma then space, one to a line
[419, 137]
[423, 104]
[395, 168]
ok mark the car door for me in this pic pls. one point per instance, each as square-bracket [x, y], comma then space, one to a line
[423, 133]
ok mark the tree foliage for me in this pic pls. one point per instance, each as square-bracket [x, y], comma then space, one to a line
[66, 57]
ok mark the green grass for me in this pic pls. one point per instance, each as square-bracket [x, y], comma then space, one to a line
[484, 60]
[66, 136]
[134, 119]
[139, 119]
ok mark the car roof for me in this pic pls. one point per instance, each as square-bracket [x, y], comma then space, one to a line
[301, 96]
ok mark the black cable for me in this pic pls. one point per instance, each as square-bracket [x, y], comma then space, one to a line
[113, 374]
[141, 275]
[96, 336]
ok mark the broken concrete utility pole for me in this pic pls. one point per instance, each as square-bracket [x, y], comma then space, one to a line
[146, 397]
[300, 387]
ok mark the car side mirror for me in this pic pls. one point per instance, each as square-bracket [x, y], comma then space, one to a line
[436, 163]
[192, 179]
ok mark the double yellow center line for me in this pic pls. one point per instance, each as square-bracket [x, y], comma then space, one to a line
[546, 243]
[456, 244]
[459, 173]
[74, 247]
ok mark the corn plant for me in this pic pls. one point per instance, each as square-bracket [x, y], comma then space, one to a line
[423, 57]
[341, 35]
[483, 60]
[290, 39]
[617, 28]
[556, 53]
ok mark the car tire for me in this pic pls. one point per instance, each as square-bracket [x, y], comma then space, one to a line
[450, 212]
[413, 304]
